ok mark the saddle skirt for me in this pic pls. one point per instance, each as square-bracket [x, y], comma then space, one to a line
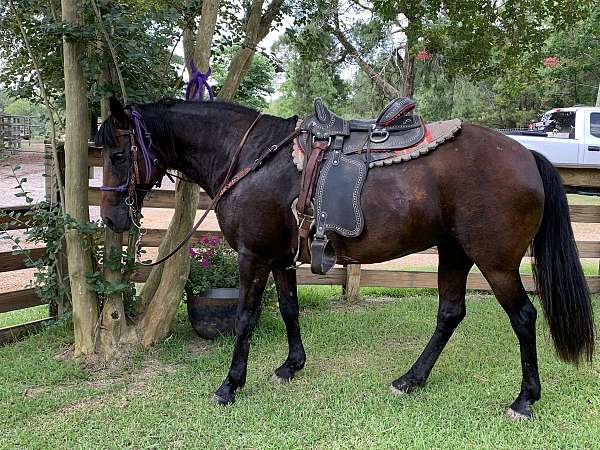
[335, 155]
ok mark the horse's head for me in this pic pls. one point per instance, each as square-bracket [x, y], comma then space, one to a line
[129, 168]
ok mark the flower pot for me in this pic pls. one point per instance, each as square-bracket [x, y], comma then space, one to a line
[212, 312]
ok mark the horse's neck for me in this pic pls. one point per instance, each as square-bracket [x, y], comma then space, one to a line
[206, 147]
[203, 150]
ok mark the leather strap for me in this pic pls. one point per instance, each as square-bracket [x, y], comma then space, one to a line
[216, 198]
[309, 177]
[230, 181]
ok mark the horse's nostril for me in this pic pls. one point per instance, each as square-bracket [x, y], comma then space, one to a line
[108, 222]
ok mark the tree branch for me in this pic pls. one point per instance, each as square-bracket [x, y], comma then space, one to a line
[389, 90]
[269, 16]
[257, 27]
[112, 50]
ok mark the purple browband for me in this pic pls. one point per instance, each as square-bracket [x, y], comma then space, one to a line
[144, 142]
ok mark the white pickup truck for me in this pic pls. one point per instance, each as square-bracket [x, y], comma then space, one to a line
[566, 136]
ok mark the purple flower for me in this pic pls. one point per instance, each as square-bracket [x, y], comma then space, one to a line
[205, 262]
[216, 240]
[205, 240]
[192, 251]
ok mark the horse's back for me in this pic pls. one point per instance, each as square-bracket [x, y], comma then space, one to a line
[479, 187]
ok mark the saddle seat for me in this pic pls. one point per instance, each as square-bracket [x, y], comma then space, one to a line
[394, 128]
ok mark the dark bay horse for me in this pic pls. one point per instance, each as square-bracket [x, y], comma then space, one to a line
[481, 198]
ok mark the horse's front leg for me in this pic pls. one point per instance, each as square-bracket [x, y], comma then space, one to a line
[253, 279]
[285, 281]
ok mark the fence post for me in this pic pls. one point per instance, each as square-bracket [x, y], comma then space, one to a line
[352, 285]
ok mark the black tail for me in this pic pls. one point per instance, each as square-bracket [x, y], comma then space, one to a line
[559, 277]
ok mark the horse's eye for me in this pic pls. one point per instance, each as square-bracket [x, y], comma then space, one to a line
[117, 157]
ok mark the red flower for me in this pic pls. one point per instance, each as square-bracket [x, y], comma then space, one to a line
[551, 62]
[423, 55]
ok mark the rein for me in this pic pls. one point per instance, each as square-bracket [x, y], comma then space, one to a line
[230, 180]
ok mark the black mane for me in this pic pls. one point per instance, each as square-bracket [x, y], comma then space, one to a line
[153, 118]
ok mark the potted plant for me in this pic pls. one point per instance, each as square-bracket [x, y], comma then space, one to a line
[211, 288]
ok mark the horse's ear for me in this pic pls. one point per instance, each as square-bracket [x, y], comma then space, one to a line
[118, 112]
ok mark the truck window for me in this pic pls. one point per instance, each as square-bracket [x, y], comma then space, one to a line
[595, 125]
[561, 122]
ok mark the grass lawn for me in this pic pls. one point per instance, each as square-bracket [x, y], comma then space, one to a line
[161, 398]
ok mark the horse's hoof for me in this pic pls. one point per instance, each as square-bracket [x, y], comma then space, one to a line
[403, 387]
[222, 400]
[283, 374]
[516, 416]
[397, 391]
[280, 380]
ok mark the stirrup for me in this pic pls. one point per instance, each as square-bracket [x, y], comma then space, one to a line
[322, 255]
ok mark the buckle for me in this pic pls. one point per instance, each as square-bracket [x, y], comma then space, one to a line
[256, 164]
[382, 133]
[314, 138]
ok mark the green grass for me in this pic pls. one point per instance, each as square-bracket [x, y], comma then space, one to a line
[23, 315]
[161, 398]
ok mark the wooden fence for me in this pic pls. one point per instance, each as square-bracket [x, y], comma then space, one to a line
[351, 277]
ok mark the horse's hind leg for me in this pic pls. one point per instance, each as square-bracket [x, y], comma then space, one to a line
[509, 291]
[254, 274]
[285, 281]
[454, 266]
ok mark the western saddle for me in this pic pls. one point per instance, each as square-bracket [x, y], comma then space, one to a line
[337, 156]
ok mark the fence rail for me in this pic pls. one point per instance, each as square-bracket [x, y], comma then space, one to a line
[351, 277]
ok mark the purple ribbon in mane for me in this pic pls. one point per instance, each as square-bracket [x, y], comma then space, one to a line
[198, 82]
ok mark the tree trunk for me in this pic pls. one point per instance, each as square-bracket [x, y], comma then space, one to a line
[112, 330]
[237, 70]
[257, 28]
[408, 73]
[158, 317]
[408, 62]
[85, 306]
[163, 290]
[598, 97]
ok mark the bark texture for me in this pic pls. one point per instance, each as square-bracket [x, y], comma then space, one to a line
[112, 329]
[85, 306]
[158, 317]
